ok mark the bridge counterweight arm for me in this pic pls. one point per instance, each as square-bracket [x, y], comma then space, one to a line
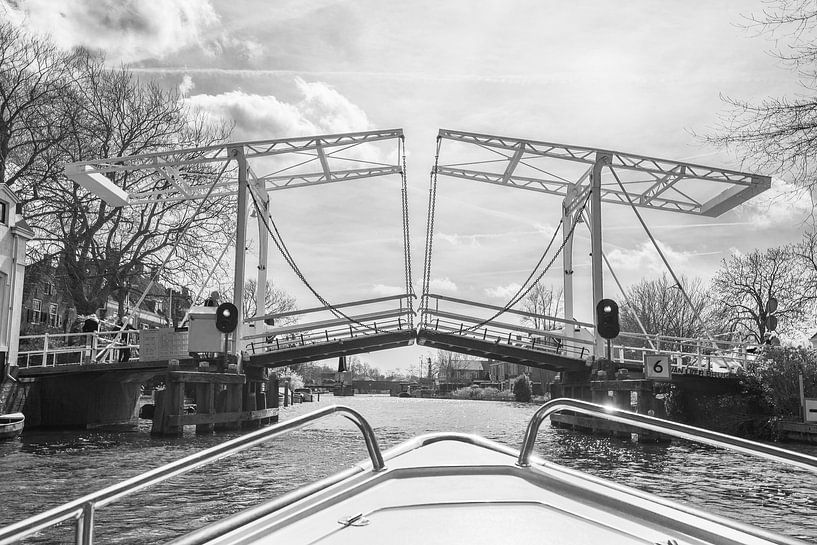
[220, 153]
[662, 175]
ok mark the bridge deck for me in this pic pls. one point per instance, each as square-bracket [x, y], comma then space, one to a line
[305, 352]
[383, 323]
[150, 366]
[545, 358]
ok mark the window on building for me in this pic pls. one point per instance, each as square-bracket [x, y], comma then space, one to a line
[52, 314]
[36, 307]
[4, 213]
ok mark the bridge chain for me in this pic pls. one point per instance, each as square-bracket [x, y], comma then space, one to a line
[432, 205]
[406, 234]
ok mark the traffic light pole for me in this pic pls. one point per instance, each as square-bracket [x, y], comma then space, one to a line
[263, 250]
[567, 255]
[240, 243]
[595, 241]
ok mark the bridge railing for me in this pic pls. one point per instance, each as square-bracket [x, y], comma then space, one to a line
[312, 326]
[694, 356]
[52, 349]
[689, 344]
[556, 336]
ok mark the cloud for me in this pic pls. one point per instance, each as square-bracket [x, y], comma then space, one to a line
[474, 240]
[186, 85]
[781, 204]
[503, 292]
[320, 109]
[243, 48]
[644, 259]
[382, 289]
[459, 240]
[128, 30]
[442, 284]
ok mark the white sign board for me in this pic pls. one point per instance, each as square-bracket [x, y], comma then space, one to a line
[162, 344]
[203, 335]
[811, 410]
[658, 367]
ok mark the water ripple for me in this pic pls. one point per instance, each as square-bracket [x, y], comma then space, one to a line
[45, 469]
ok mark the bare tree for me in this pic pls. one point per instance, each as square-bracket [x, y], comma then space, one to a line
[443, 363]
[780, 133]
[275, 299]
[34, 86]
[806, 251]
[663, 310]
[745, 283]
[102, 249]
[543, 301]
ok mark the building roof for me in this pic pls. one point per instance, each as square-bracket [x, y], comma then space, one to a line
[467, 365]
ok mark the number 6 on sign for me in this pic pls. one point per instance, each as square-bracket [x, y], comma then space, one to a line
[657, 367]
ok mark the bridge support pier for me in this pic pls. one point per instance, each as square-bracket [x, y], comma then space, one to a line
[257, 396]
[87, 401]
[224, 401]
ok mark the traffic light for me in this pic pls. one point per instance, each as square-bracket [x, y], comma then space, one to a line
[226, 317]
[607, 319]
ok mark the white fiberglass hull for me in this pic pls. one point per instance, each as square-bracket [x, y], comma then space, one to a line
[464, 489]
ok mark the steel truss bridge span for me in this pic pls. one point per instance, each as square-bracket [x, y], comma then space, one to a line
[252, 170]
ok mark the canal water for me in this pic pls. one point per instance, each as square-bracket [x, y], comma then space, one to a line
[45, 469]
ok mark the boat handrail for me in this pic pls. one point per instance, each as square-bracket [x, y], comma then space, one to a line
[667, 427]
[83, 509]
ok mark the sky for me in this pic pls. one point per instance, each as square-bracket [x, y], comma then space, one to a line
[644, 77]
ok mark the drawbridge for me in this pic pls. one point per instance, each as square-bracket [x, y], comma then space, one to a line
[584, 178]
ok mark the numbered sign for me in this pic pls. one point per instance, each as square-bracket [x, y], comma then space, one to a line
[658, 367]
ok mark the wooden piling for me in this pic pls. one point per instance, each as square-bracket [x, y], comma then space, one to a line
[224, 401]
[272, 397]
[158, 412]
[205, 404]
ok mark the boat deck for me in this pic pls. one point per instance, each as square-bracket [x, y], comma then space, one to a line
[453, 491]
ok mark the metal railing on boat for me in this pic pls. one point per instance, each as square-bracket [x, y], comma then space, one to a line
[673, 429]
[83, 509]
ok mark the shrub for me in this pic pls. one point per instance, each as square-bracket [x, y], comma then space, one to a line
[775, 373]
[483, 394]
[522, 390]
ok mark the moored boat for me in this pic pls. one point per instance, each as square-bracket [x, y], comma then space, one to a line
[11, 425]
[451, 488]
[305, 393]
